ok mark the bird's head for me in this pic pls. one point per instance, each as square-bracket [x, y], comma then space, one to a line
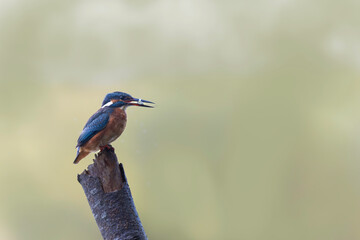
[121, 99]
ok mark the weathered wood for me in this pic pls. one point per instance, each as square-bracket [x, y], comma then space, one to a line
[108, 193]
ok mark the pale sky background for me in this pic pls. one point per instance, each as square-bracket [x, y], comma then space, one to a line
[255, 134]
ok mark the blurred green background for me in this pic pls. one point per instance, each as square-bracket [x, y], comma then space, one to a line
[255, 134]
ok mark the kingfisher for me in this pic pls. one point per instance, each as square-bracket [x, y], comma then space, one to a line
[107, 124]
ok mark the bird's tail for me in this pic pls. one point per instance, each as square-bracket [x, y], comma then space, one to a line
[80, 155]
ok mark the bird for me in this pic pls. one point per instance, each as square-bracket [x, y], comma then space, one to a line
[107, 124]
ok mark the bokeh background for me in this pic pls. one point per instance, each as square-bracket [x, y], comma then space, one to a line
[256, 131]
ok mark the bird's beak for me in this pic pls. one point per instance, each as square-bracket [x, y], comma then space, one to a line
[140, 102]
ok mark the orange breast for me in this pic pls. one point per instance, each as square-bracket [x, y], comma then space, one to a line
[115, 127]
[110, 133]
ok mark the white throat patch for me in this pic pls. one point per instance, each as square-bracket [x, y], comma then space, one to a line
[107, 104]
[124, 107]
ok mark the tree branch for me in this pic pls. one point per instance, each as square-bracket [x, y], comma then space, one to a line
[108, 193]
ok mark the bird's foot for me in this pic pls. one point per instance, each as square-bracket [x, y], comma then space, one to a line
[106, 147]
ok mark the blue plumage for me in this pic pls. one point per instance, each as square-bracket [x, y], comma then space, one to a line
[107, 124]
[95, 124]
[114, 95]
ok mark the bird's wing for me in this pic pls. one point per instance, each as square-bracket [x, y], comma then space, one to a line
[95, 124]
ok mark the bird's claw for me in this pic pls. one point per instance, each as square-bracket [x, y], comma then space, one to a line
[106, 147]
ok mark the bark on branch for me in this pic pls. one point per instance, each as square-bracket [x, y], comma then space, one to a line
[108, 193]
